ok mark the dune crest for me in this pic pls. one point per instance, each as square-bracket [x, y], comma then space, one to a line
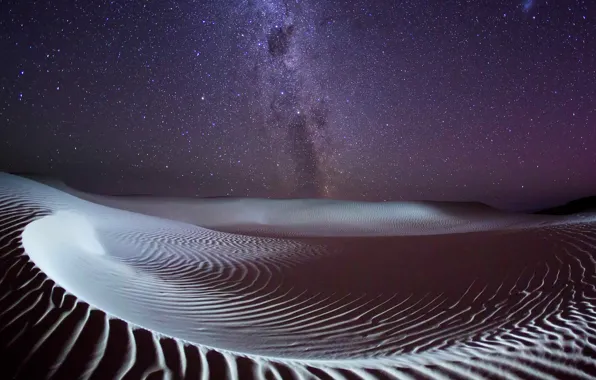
[513, 297]
[322, 217]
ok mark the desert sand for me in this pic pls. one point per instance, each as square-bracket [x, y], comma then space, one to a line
[116, 287]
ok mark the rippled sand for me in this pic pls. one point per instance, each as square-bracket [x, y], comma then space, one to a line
[99, 287]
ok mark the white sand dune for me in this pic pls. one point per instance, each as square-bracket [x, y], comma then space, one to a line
[354, 290]
[321, 217]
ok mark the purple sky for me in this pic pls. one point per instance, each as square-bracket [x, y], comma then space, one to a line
[491, 101]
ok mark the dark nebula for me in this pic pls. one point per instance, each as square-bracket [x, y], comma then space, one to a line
[279, 40]
[305, 156]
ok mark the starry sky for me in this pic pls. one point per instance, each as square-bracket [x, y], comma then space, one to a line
[490, 100]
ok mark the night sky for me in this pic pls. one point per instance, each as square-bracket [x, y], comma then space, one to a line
[491, 101]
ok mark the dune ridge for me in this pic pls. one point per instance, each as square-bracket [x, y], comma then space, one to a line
[445, 293]
[296, 218]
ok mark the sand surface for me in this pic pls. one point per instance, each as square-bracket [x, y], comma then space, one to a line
[100, 287]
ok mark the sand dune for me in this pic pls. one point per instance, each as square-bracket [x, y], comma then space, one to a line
[99, 287]
[321, 217]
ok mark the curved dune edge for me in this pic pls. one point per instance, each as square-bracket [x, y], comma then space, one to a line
[324, 217]
[101, 266]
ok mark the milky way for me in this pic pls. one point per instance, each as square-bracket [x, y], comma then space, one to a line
[489, 101]
[292, 100]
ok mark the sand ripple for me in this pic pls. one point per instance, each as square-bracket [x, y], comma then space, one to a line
[90, 291]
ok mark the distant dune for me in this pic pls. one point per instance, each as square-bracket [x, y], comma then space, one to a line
[587, 204]
[318, 217]
[115, 287]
